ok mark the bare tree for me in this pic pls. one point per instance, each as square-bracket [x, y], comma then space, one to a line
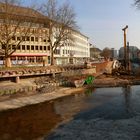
[61, 24]
[16, 24]
[137, 3]
[106, 53]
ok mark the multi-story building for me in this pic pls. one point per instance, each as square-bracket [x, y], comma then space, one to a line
[76, 51]
[114, 53]
[34, 48]
[133, 52]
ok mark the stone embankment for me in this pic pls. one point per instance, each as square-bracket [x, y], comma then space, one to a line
[36, 70]
[46, 83]
[29, 98]
[32, 89]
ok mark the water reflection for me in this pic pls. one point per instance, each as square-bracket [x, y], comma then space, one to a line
[127, 92]
[28, 123]
[110, 104]
[33, 122]
[90, 91]
[67, 107]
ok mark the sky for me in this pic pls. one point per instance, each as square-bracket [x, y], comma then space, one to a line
[102, 21]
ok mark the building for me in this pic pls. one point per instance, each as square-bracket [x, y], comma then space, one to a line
[35, 49]
[30, 34]
[94, 53]
[133, 52]
[114, 54]
[74, 52]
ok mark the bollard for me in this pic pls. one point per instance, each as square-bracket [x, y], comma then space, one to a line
[17, 79]
[53, 74]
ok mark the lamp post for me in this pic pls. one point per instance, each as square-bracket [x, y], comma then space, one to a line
[125, 47]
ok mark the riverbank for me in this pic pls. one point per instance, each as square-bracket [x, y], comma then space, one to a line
[18, 102]
[30, 98]
[116, 81]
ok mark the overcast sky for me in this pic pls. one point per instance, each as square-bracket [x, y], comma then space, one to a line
[102, 21]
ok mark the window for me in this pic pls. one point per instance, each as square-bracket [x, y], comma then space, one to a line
[36, 47]
[30, 59]
[1, 58]
[23, 47]
[28, 38]
[28, 47]
[32, 38]
[57, 51]
[32, 47]
[40, 47]
[13, 38]
[45, 48]
[39, 59]
[44, 40]
[3, 47]
[18, 47]
[13, 47]
[23, 38]
[49, 48]
[18, 38]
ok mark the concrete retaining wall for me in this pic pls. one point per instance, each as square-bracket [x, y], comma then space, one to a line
[79, 72]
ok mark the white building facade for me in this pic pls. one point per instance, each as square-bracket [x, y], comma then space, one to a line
[74, 52]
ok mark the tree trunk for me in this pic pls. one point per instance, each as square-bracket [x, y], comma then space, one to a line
[52, 57]
[8, 62]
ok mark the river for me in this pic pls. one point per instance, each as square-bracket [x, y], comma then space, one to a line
[102, 113]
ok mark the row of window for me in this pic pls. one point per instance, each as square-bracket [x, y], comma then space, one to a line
[28, 38]
[74, 52]
[66, 51]
[26, 60]
[31, 47]
[57, 51]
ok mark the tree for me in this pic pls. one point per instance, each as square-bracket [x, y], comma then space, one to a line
[137, 3]
[61, 24]
[16, 24]
[106, 53]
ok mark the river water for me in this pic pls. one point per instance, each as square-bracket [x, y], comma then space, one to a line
[100, 114]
